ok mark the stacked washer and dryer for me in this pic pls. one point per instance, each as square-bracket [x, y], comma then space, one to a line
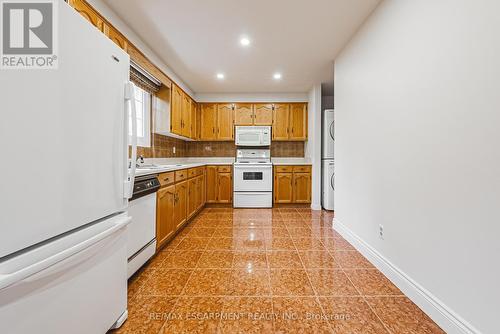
[327, 159]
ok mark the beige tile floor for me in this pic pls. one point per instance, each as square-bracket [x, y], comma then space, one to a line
[266, 271]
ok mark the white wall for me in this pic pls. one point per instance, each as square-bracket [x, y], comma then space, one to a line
[417, 99]
[115, 20]
[313, 144]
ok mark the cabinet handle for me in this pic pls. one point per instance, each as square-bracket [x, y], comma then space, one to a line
[213, 130]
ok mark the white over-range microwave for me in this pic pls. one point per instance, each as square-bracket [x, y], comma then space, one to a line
[253, 136]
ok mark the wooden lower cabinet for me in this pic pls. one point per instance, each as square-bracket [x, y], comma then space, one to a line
[301, 187]
[165, 204]
[200, 188]
[224, 188]
[211, 184]
[192, 206]
[283, 189]
[181, 202]
[196, 199]
[292, 184]
[219, 184]
[178, 200]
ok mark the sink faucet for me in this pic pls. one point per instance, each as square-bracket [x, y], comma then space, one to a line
[139, 161]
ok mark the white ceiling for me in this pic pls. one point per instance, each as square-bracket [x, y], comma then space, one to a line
[198, 38]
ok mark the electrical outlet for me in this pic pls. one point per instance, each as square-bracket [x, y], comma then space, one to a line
[381, 232]
[173, 150]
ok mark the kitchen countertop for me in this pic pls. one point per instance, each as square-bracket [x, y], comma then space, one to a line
[291, 161]
[173, 164]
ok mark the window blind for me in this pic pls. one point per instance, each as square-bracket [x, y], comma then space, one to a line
[141, 78]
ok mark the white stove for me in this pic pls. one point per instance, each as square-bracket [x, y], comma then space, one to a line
[253, 179]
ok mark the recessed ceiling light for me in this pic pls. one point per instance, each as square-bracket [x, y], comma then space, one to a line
[220, 76]
[277, 76]
[244, 41]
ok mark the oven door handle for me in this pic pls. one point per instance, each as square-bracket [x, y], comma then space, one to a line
[253, 167]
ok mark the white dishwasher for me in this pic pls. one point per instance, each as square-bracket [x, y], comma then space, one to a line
[141, 238]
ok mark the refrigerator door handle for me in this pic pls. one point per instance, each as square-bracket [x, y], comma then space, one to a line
[7, 279]
[130, 102]
[331, 131]
[331, 181]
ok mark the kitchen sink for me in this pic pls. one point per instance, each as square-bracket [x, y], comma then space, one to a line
[154, 167]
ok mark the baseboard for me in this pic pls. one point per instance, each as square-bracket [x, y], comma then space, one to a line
[444, 316]
[316, 207]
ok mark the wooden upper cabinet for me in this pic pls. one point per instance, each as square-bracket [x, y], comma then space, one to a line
[281, 115]
[243, 114]
[263, 114]
[298, 121]
[195, 133]
[165, 204]
[224, 188]
[302, 187]
[186, 115]
[176, 111]
[208, 123]
[88, 12]
[211, 184]
[283, 189]
[225, 128]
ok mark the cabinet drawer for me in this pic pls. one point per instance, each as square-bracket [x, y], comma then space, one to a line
[224, 169]
[192, 172]
[180, 175]
[284, 169]
[302, 169]
[166, 178]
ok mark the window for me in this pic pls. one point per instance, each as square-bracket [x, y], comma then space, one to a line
[143, 110]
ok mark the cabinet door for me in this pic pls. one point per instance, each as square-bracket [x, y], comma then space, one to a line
[181, 201]
[298, 121]
[208, 124]
[176, 111]
[283, 190]
[165, 227]
[243, 114]
[186, 115]
[263, 114]
[204, 187]
[211, 184]
[280, 121]
[224, 188]
[225, 128]
[301, 187]
[195, 134]
[192, 205]
[199, 191]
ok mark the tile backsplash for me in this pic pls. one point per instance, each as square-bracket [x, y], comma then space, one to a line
[163, 147]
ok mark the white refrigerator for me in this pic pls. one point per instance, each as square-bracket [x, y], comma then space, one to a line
[327, 159]
[64, 187]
